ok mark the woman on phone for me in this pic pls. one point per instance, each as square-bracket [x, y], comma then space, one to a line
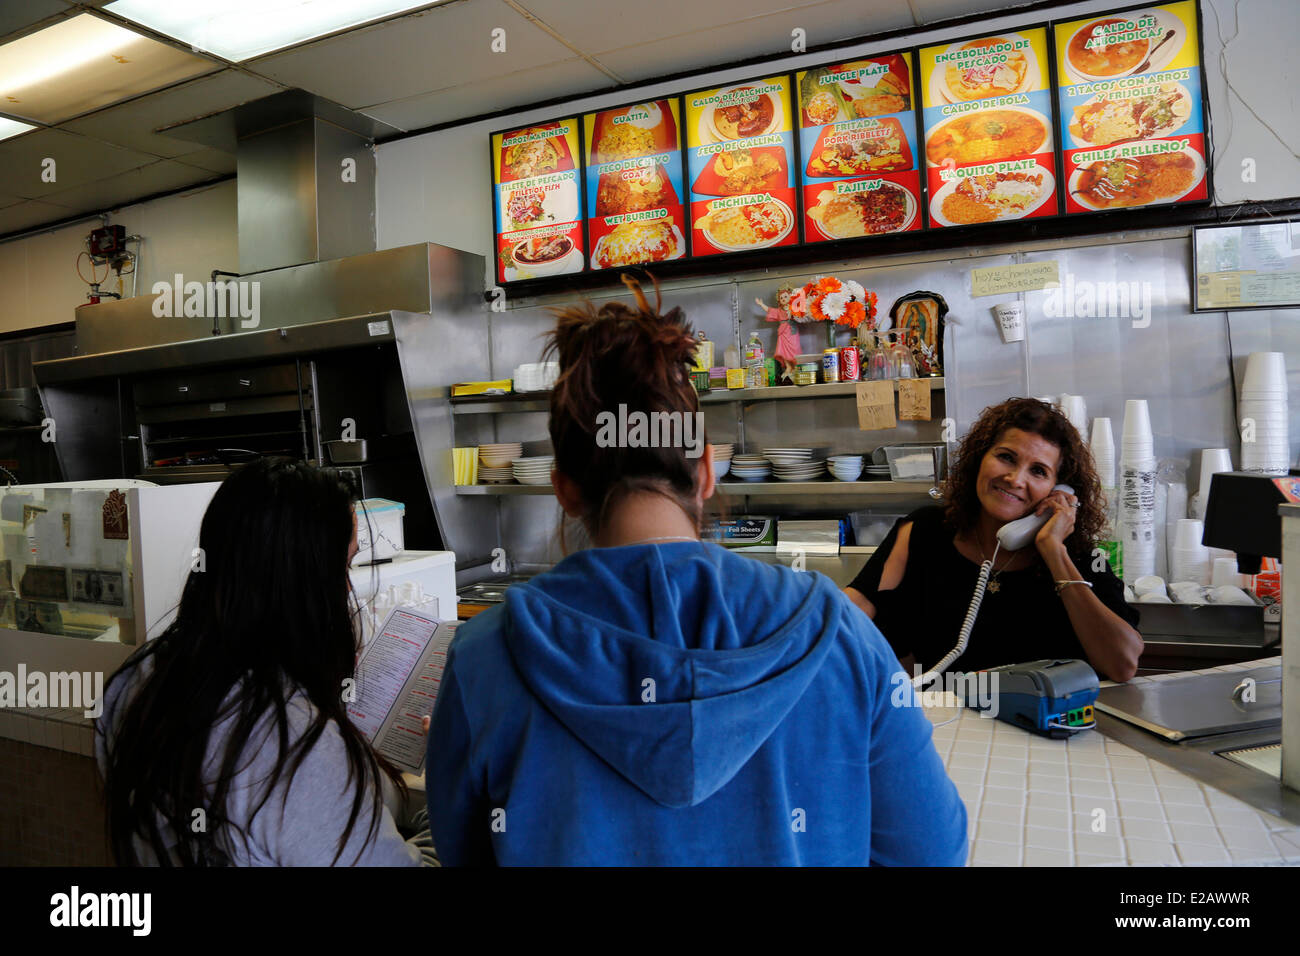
[657, 700]
[225, 740]
[1057, 597]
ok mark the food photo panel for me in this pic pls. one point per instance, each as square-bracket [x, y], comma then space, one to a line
[538, 201]
[636, 211]
[1131, 109]
[859, 166]
[989, 150]
[741, 167]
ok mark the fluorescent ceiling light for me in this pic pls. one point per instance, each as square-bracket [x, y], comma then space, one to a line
[83, 63]
[10, 127]
[241, 29]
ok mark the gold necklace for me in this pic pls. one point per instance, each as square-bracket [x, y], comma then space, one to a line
[993, 585]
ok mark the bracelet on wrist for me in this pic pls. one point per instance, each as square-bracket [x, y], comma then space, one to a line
[1062, 584]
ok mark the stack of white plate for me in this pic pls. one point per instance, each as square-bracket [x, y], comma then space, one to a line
[495, 476]
[751, 467]
[847, 467]
[533, 471]
[877, 471]
[794, 464]
[536, 376]
[722, 459]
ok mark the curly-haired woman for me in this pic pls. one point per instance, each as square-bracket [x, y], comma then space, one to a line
[1055, 598]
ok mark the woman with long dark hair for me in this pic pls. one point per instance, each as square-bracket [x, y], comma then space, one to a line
[655, 699]
[225, 740]
[1056, 597]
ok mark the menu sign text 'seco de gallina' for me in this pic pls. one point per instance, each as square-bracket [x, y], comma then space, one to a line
[538, 201]
[740, 162]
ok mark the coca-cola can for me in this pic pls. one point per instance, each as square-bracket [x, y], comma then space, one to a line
[850, 369]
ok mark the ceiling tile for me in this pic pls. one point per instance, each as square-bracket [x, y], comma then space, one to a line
[762, 36]
[435, 49]
[132, 124]
[213, 160]
[115, 191]
[77, 160]
[84, 63]
[570, 78]
[931, 11]
[21, 15]
[28, 215]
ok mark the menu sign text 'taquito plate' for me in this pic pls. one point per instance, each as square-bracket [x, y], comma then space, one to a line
[989, 150]
[635, 208]
[740, 163]
[857, 133]
[538, 201]
[1132, 120]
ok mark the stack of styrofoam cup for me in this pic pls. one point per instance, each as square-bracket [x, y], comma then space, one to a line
[1102, 444]
[1073, 408]
[1213, 461]
[1225, 574]
[1162, 517]
[1265, 445]
[1175, 511]
[1189, 559]
[1137, 491]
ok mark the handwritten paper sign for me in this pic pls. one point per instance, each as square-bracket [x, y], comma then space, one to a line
[875, 405]
[914, 399]
[1023, 277]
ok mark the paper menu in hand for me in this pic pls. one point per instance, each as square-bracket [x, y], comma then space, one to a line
[398, 677]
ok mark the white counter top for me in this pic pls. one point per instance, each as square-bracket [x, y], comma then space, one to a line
[1033, 801]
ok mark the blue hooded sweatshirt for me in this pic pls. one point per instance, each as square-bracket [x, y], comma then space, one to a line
[678, 704]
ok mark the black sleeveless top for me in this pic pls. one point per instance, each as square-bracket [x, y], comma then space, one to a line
[1024, 620]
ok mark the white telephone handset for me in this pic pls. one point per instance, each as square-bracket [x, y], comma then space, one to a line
[1015, 535]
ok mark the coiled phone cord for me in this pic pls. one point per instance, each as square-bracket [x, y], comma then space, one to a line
[963, 638]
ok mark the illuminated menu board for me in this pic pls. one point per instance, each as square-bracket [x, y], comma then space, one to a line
[740, 163]
[1132, 119]
[537, 197]
[989, 149]
[859, 168]
[635, 198]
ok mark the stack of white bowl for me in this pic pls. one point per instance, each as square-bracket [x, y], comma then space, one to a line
[533, 471]
[845, 467]
[536, 376]
[794, 464]
[1150, 589]
[1263, 403]
[1137, 491]
[1189, 560]
[722, 459]
[750, 467]
[494, 461]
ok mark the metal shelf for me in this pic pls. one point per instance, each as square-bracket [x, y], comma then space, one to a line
[541, 401]
[774, 489]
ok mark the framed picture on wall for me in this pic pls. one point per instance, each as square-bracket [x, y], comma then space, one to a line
[1252, 266]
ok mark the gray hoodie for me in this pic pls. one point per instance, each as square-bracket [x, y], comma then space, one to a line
[302, 821]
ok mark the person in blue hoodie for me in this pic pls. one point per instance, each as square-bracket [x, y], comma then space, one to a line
[658, 700]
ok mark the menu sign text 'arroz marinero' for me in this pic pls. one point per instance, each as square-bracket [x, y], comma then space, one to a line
[635, 201]
[989, 150]
[740, 162]
[538, 201]
[1132, 121]
[857, 134]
